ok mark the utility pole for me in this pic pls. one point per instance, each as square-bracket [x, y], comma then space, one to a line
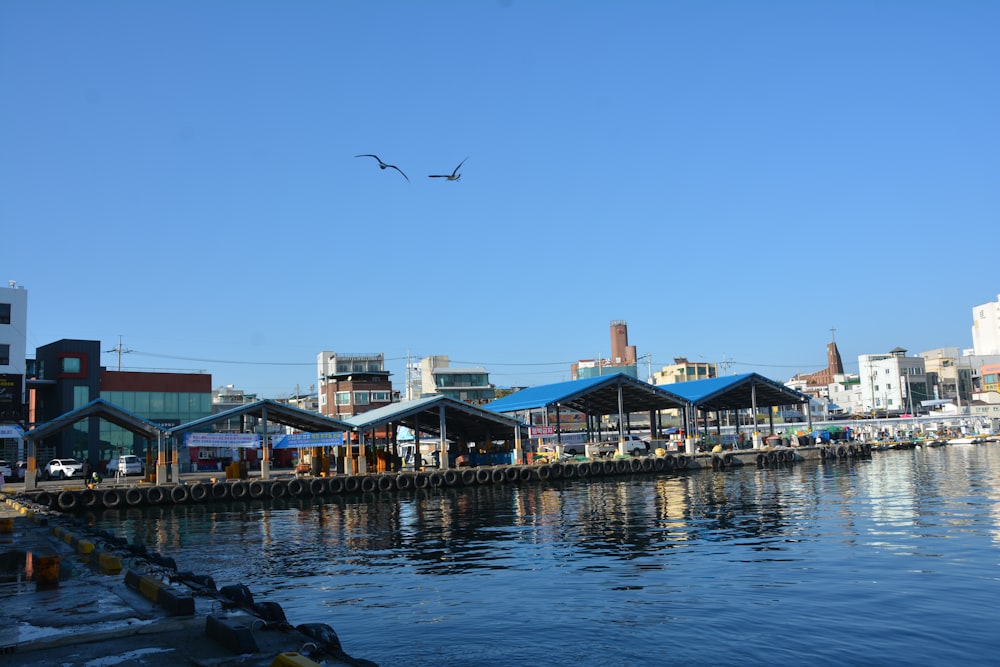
[120, 349]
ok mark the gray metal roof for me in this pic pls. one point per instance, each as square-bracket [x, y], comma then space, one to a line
[97, 408]
[279, 413]
[461, 420]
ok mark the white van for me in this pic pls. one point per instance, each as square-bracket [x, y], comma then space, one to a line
[128, 464]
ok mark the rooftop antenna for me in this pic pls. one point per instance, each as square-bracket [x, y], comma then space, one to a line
[120, 349]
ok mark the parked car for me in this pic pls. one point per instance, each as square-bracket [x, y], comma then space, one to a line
[63, 468]
[129, 464]
[19, 469]
[5, 469]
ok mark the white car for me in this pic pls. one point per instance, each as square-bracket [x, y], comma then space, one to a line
[5, 469]
[128, 464]
[63, 468]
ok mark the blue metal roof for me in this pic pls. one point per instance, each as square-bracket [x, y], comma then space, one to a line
[734, 392]
[599, 395]
[595, 396]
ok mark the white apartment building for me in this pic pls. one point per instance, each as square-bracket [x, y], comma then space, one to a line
[892, 383]
[986, 328]
[13, 350]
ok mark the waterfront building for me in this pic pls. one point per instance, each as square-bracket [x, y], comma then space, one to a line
[683, 370]
[991, 378]
[986, 328]
[350, 384]
[893, 383]
[13, 342]
[844, 395]
[623, 357]
[67, 374]
[469, 385]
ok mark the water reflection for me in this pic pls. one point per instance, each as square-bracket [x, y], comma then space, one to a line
[644, 558]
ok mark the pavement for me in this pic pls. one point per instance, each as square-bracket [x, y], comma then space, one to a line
[109, 606]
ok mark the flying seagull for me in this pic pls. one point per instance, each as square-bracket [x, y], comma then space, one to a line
[453, 176]
[383, 165]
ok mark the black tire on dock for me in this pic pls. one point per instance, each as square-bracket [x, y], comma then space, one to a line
[421, 480]
[296, 487]
[89, 499]
[156, 495]
[199, 493]
[526, 473]
[256, 489]
[404, 482]
[510, 474]
[111, 499]
[335, 485]
[497, 476]
[386, 483]
[179, 494]
[67, 501]
[220, 491]
[133, 496]
[318, 486]
[240, 490]
[468, 476]
[278, 489]
[483, 476]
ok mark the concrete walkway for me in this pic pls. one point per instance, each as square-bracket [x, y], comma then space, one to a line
[94, 617]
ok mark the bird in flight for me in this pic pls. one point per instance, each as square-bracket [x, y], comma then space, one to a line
[383, 165]
[453, 176]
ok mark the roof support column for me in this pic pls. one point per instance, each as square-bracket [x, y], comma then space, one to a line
[31, 472]
[753, 407]
[175, 473]
[518, 453]
[265, 460]
[443, 445]
[161, 458]
[621, 424]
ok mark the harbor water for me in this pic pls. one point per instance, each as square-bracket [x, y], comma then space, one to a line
[888, 561]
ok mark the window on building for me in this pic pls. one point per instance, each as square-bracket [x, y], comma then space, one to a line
[343, 398]
[381, 397]
[4, 355]
[71, 364]
[4, 313]
[361, 398]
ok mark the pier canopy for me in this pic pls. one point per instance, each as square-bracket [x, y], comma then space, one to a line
[597, 396]
[271, 411]
[444, 417]
[97, 408]
[737, 392]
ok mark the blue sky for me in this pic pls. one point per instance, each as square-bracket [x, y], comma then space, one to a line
[733, 179]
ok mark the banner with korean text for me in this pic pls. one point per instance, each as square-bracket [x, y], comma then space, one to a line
[247, 440]
[296, 440]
